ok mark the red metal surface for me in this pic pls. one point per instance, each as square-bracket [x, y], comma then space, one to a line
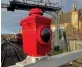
[32, 26]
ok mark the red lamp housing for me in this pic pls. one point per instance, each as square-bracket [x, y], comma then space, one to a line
[36, 33]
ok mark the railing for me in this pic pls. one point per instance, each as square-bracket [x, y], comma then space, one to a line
[18, 5]
[40, 2]
[57, 60]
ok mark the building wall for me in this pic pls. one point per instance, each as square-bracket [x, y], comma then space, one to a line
[74, 28]
[74, 31]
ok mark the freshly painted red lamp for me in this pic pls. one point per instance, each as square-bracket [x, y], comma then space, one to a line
[36, 33]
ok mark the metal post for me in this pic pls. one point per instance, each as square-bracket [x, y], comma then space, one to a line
[57, 28]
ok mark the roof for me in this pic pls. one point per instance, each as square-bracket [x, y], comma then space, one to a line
[66, 17]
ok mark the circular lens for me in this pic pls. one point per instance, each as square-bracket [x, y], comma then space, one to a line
[45, 34]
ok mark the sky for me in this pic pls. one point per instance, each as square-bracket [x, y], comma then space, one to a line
[10, 20]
